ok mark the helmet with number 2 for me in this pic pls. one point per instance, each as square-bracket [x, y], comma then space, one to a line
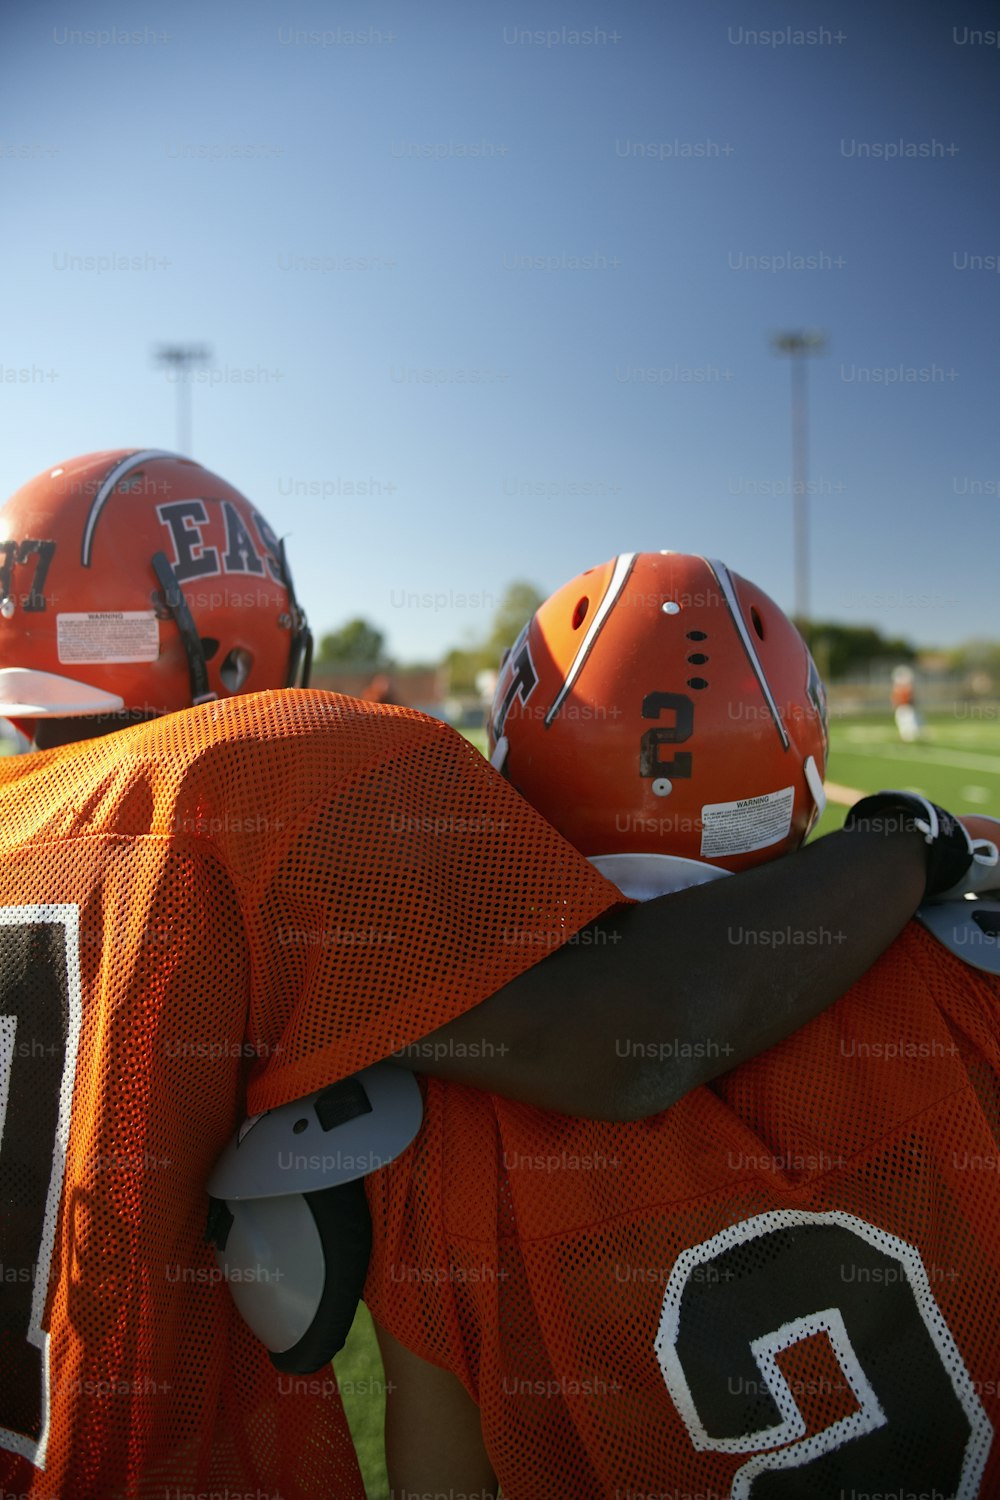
[137, 581]
[661, 704]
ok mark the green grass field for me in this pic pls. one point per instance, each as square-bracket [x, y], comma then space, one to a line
[359, 1374]
[957, 764]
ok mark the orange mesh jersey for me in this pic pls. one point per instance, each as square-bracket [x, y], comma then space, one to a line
[206, 915]
[786, 1285]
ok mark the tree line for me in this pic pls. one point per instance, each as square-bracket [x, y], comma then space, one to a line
[840, 651]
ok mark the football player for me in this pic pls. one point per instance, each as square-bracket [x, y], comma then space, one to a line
[904, 706]
[219, 899]
[787, 1284]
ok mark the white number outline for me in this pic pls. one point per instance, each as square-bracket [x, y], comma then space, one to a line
[764, 1349]
[68, 916]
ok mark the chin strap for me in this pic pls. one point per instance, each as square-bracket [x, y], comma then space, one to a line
[300, 660]
[300, 657]
[175, 602]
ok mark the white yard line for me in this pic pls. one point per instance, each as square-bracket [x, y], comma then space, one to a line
[916, 755]
[845, 796]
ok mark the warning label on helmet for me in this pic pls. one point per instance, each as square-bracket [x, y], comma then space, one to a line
[108, 636]
[746, 824]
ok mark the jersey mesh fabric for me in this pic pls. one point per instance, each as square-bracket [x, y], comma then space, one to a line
[597, 1288]
[200, 917]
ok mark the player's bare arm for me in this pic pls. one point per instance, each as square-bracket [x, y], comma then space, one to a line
[433, 1436]
[651, 1000]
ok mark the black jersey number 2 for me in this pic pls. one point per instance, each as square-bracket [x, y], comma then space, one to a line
[912, 1420]
[40, 1011]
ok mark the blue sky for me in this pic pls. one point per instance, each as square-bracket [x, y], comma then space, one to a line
[489, 288]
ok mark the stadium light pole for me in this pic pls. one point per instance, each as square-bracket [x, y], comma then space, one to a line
[798, 344]
[182, 358]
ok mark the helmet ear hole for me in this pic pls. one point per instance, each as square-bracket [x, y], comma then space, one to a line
[236, 669]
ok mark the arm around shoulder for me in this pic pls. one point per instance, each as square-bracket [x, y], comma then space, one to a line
[649, 1001]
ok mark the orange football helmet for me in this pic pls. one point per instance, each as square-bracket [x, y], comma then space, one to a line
[662, 704]
[138, 581]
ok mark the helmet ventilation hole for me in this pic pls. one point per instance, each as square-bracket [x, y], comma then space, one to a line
[756, 621]
[697, 682]
[580, 612]
[697, 635]
[236, 669]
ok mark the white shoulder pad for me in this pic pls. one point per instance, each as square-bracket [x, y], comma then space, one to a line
[969, 929]
[339, 1133]
[275, 1264]
[645, 876]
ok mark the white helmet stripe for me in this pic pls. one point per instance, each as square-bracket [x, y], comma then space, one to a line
[113, 477]
[725, 583]
[623, 567]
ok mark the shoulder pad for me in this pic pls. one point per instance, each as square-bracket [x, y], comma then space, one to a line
[335, 1135]
[645, 876]
[969, 929]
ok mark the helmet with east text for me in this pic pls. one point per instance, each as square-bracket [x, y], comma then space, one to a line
[138, 581]
[661, 704]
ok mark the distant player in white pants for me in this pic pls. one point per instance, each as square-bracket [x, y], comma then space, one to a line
[908, 721]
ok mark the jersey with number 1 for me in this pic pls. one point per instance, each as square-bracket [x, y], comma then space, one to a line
[204, 917]
[786, 1285]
